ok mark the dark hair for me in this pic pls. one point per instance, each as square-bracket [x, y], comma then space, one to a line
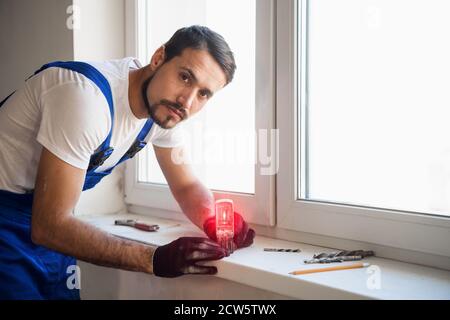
[202, 38]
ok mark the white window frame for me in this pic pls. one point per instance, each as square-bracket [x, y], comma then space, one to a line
[257, 208]
[421, 233]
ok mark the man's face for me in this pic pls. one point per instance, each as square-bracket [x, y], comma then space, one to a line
[180, 87]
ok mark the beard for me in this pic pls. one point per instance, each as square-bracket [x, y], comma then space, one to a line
[168, 121]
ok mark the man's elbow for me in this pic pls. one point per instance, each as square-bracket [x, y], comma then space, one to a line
[43, 229]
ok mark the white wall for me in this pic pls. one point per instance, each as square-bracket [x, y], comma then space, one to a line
[31, 33]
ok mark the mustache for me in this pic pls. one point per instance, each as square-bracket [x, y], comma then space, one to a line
[179, 108]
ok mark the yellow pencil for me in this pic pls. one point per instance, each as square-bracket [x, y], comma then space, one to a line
[333, 268]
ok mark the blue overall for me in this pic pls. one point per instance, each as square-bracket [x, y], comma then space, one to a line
[29, 271]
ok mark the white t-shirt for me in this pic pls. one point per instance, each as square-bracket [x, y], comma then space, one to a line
[67, 113]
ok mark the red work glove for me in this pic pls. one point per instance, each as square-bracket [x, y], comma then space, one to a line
[243, 235]
[181, 256]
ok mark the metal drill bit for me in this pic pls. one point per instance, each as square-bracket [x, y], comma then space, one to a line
[335, 259]
[281, 250]
[346, 253]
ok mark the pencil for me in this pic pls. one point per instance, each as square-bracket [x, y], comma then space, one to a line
[341, 267]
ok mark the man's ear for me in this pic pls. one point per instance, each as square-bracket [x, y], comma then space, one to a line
[158, 58]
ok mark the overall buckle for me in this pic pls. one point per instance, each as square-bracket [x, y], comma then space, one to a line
[135, 148]
[99, 158]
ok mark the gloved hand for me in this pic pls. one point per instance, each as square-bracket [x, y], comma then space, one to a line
[243, 235]
[181, 256]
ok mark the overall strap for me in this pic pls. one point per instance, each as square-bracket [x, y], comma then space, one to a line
[4, 100]
[104, 151]
[139, 143]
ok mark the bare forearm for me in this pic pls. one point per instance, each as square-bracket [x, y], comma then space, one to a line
[197, 203]
[83, 241]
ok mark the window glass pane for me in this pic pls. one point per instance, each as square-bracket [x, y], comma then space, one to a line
[220, 139]
[378, 105]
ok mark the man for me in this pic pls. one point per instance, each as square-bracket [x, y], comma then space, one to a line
[67, 127]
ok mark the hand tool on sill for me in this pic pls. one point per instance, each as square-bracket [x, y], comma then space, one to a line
[281, 250]
[137, 225]
[339, 256]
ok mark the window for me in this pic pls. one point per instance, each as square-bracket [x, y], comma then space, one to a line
[221, 140]
[376, 113]
[364, 141]
[360, 90]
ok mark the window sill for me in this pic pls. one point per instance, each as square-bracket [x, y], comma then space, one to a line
[270, 270]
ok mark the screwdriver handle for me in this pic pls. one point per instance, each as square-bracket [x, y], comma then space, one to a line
[145, 227]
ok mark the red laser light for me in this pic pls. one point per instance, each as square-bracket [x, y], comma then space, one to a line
[225, 223]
